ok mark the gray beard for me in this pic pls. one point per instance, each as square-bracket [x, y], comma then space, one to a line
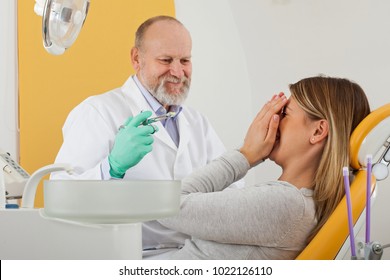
[166, 98]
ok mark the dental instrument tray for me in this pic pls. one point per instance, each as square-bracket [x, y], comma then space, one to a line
[111, 202]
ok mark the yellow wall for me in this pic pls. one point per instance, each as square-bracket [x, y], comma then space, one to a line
[50, 86]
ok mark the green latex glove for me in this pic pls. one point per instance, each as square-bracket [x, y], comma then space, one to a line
[132, 143]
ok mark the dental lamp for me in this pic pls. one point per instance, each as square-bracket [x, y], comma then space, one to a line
[62, 21]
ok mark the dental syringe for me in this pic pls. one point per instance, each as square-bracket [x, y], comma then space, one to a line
[159, 118]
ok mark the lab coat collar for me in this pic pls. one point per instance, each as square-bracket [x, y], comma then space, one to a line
[184, 128]
[154, 104]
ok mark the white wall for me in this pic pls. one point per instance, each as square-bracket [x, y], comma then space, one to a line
[245, 51]
[8, 79]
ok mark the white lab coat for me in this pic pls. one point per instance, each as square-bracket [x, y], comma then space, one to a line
[89, 134]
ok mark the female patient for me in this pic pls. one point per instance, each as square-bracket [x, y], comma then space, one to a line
[308, 136]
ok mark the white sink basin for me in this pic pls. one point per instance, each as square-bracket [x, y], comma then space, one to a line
[111, 202]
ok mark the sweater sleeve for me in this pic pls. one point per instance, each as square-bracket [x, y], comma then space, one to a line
[217, 175]
[256, 215]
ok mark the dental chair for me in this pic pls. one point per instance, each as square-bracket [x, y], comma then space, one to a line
[371, 137]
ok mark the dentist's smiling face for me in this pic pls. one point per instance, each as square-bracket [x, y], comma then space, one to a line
[163, 64]
[293, 138]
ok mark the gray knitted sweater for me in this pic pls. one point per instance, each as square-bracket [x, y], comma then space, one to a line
[265, 221]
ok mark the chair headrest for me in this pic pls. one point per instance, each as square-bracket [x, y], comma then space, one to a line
[372, 137]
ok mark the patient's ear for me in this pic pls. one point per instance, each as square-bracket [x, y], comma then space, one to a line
[321, 131]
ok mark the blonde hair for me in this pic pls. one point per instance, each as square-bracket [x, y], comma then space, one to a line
[343, 104]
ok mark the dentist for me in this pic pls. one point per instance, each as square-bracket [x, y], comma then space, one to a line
[104, 137]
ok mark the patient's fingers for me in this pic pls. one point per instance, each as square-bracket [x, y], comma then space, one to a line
[272, 130]
[273, 106]
[261, 135]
